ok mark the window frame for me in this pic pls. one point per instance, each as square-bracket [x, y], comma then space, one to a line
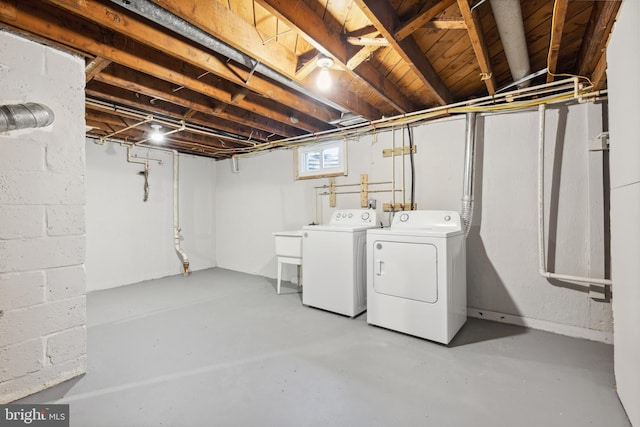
[300, 153]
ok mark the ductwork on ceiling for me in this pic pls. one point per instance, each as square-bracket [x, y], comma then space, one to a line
[168, 20]
[25, 116]
[508, 16]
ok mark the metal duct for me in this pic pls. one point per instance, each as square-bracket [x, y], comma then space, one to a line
[161, 16]
[508, 16]
[469, 171]
[25, 116]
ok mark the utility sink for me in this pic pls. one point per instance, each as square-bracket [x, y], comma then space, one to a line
[289, 243]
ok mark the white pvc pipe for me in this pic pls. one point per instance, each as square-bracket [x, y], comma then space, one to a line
[541, 241]
[176, 215]
[176, 201]
[393, 169]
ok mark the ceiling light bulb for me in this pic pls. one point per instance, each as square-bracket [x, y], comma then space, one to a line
[323, 80]
[156, 135]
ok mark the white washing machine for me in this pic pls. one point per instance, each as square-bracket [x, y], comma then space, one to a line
[416, 275]
[334, 262]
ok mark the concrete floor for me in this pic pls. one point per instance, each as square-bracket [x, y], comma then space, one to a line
[220, 348]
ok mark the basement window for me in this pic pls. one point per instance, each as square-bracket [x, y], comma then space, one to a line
[321, 160]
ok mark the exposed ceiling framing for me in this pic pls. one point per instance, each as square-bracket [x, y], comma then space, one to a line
[234, 73]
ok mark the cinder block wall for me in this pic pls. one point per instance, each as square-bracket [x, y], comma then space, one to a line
[42, 222]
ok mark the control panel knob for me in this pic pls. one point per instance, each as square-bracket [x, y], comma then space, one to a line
[350, 215]
[447, 218]
[365, 216]
[404, 217]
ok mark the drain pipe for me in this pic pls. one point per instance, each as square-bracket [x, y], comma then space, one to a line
[469, 172]
[542, 260]
[176, 215]
[168, 20]
[25, 116]
[508, 16]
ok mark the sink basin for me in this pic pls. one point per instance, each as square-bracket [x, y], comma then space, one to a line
[289, 243]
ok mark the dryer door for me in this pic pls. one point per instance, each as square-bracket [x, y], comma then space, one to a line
[406, 270]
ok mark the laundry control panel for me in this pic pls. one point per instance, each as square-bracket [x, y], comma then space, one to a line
[427, 220]
[354, 217]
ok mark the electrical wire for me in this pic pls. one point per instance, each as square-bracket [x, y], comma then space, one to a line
[553, 25]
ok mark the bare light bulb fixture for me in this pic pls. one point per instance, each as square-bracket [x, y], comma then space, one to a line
[156, 135]
[323, 80]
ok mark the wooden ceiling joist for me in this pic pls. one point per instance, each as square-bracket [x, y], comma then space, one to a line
[558, 20]
[155, 38]
[474, 30]
[430, 10]
[50, 26]
[384, 17]
[94, 67]
[596, 38]
[223, 24]
[312, 27]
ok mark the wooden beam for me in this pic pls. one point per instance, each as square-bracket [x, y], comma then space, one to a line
[219, 21]
[123, 97]
[597, 35]
[367, 41]
[558, 20]
[128, 80]
[446, 24]
[599, 76]
[307, 68]
[94, 67]
[384, 17]
[361, 56]
[430, 10]
[152, 36]
[299, 15]
[474, 30]
[49, 25]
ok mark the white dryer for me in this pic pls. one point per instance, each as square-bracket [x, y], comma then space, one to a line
[416, 275]
[333, 265]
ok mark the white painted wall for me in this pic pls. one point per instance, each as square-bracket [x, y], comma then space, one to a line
[129, 240]
[502, 248]
[42, 222]
[623, 56]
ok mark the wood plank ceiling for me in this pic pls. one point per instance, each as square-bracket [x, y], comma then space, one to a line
[224, 75]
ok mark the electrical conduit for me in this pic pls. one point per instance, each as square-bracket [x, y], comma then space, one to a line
[541, 242]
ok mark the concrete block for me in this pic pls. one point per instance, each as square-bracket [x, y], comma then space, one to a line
[68, 282]
[19, 155]
[67, 158]
[39, 188]
[60, 65]
[20, 290]
[36, 254]
[20, 359]
[21, 222]
[39, 320]
[45, 378]
[21, 57]
[66, 345]
[65, 220]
